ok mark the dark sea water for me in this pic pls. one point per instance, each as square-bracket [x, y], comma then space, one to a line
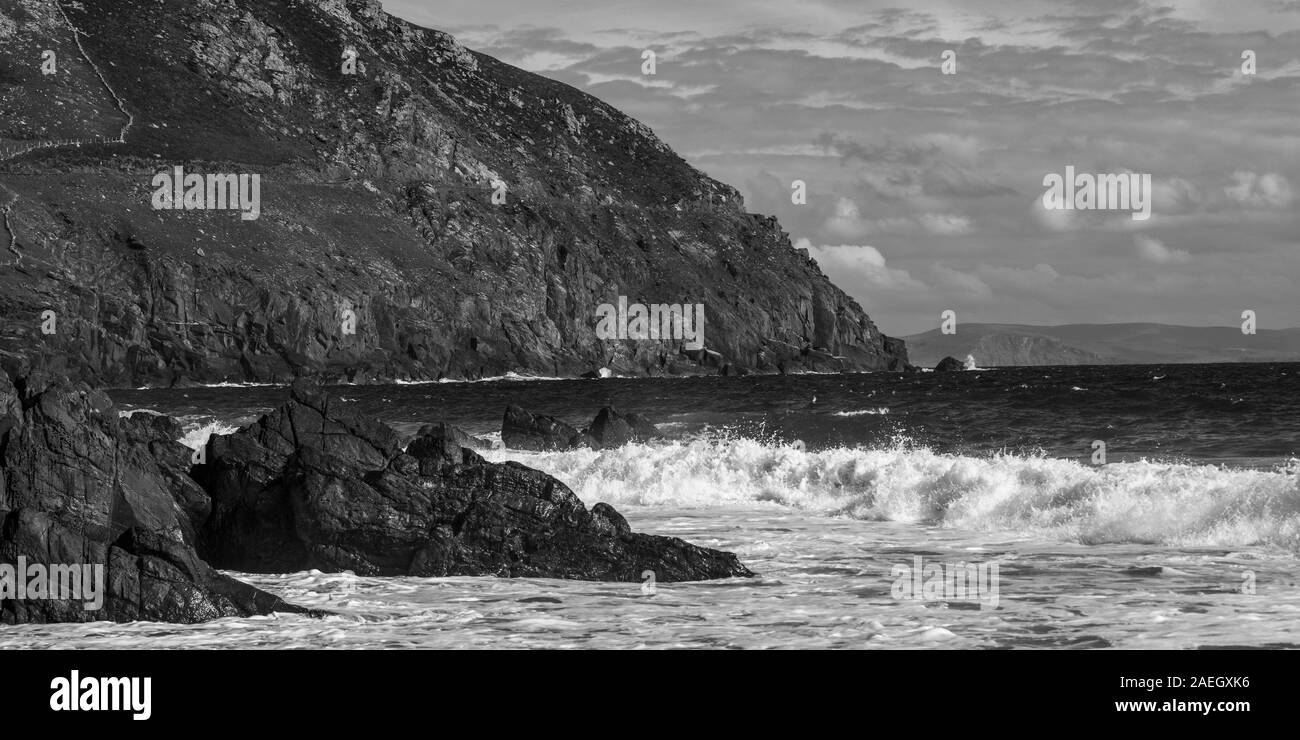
[1188, 535]
[1242, 413]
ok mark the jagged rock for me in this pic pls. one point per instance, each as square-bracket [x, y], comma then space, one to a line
[11, 409]
[314, 485]
[521, 430]
[949, 364]
[79, 486]
[612, 429]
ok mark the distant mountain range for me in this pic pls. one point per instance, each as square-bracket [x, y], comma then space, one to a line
[1102, 344]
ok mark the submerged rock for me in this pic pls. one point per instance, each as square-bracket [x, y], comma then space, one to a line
[80, 486]
[315, 485]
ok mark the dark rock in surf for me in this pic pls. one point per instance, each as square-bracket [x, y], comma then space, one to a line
[521, 430]
[949, 365]
[612, 429]
[314, 485]
[81, 486]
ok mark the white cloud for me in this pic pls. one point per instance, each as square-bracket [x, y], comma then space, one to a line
[1054, 219]
[847, 220]
[1155, 252]
[860, 265]
[945, 223]
[1269, 190]
[1174, 195]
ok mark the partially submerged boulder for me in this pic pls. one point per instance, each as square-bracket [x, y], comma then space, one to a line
[949, 365]
[315, 485]
[611, 429]
[522, 430]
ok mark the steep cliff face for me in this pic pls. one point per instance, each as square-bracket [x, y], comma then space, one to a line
[379, 252]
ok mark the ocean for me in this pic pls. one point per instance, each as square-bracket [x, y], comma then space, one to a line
[845, 494]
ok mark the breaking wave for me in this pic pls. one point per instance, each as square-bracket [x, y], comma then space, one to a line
[1134, 502]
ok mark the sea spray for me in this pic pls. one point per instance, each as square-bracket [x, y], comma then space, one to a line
[196, 436]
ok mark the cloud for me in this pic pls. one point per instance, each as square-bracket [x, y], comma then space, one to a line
[851, 151]
[1175, 195]
[1269, 190]
[1054, 219]
[945, 223]
[944, 179]
[960, 283]
[860, 264]
[847, 220]
[1155, 252]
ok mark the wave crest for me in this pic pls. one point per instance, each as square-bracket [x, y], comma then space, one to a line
[1145, 502]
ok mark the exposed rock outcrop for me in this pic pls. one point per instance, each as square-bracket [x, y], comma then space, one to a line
[524, 430]
[80, 486]
[314, 485]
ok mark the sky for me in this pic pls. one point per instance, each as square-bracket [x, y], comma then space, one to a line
[925, 190]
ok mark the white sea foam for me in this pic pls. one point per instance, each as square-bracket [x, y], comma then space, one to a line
[243, 384]
[510, 376]
[222, 384]
[132, 412]
[1135, 502]
[863, 412]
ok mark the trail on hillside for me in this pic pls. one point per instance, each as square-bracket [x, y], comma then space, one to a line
[15, 150]
[117, 99]
[9, 229]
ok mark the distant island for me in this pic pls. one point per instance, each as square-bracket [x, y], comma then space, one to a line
[1103, 344]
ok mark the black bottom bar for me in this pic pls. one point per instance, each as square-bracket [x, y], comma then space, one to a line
[304, 691]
